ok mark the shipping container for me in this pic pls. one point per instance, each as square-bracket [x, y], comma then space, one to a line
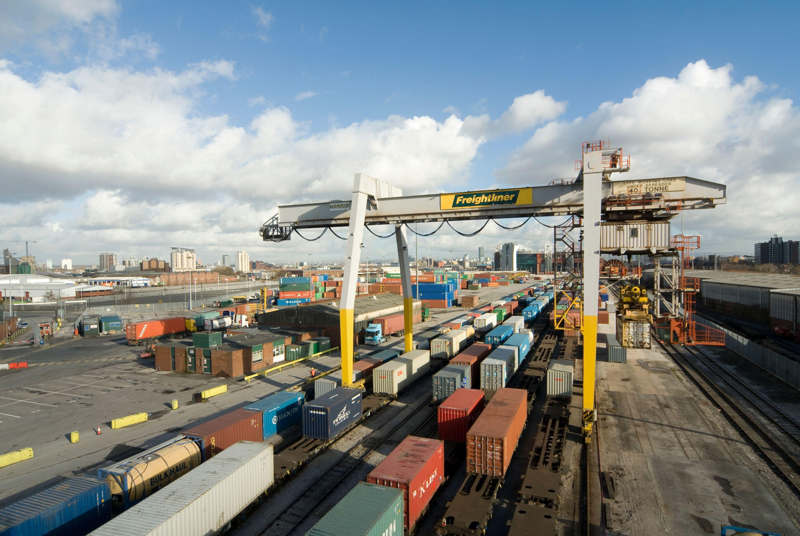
[497, 368]
[559, 377]
[110, 324]
[517, 322]
[493, 438]
[415, 467]
[391, 324]
[473, 356]
[207, 339]
[514, 350]
[498, 335]
[523, 342]
[323, 343]
[457, 414]
[634, 237]
[485, 322]
[154, 328]
[446, 381]
[218, 434]
[279, 411]
[633, 334]
[385, 355]
[449, 344]
[331, 414]
[367, 510]
[420, 362]
[143, 474]
[207, 499]
[77, 505]
[391, 377]
[616, 353]
[330, 382]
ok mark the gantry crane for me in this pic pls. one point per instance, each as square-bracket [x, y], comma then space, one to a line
[592, 196]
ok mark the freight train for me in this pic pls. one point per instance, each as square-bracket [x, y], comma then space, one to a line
[87, 502]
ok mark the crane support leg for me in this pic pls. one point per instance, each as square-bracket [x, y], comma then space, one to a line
[405, 279]
[592, 188]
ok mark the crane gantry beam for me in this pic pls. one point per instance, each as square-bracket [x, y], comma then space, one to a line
[592, 196]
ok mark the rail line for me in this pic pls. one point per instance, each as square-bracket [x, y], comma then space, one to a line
[299, 510]
[740, 412]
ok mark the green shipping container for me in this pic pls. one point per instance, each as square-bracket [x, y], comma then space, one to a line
[501, 315]
[293, 352]
[368, 510]
[294, 287]
[309, 347]
[473, 287]
[110, 324]
[323, 342]
[226, 303]
[207, 339]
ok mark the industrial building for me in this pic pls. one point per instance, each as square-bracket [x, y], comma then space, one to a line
[37, 288]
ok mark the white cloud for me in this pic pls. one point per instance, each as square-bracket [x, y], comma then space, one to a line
[525, 113]
[305, 95]
[452, 110]
[703, 124]
[263, 18]
[255, 101]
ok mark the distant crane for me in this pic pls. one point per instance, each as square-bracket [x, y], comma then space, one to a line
[27, 253]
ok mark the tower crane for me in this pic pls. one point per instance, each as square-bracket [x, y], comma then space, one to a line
[27, 253]
[592, 196]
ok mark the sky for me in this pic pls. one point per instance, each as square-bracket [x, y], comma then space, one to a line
[131, 127]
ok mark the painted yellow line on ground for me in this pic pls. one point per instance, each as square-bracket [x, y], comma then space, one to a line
[16, 457]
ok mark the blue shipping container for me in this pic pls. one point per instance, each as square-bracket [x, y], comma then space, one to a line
[293, 301]
[77, 505]
[294, 280]
[280, 411]
[522, 342]
[331, 414]
[499, 335]
[531, 312]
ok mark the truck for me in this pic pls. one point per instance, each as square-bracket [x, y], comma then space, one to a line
[374, 335]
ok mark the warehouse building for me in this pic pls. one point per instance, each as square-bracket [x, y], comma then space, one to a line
[38, 288]
[325, 316]
[746, 295]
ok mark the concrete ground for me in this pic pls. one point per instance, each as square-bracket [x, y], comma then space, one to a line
[678, 465]
[81, 384]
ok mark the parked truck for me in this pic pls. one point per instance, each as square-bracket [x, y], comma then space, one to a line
[374, 335]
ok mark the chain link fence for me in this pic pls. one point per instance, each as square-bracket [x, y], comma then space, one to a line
[776, 364]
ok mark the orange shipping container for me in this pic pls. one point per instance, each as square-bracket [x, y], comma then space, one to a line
[296, 294]
[493, 438]
[493, 284]
[154, 328]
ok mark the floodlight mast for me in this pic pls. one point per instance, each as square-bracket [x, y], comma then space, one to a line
[591, 196]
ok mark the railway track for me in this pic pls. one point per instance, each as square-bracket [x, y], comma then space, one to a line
[741, 412]
[293, 515]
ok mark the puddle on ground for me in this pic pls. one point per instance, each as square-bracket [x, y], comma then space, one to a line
[725, 485]
[704, 524]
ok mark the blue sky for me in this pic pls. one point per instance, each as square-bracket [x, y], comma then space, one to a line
[306, 94]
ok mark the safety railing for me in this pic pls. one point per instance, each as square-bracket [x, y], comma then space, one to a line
[289, 364]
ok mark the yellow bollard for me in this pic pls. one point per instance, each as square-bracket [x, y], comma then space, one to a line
[174, 404]
[74, 437]
[16, 456]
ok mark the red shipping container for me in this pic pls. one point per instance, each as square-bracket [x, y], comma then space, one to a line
[296, 294]
[220, 433]
[415, 466]
[435, 304]
[452, 325]
[366, 364]
[463, 284]
[503, 283]
[154, 328]
[473, 356]
[390, 323]
[474, 315]
[457, 414]
[493, 438]
[492, 284]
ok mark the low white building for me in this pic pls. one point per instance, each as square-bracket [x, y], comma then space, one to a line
[37, 288]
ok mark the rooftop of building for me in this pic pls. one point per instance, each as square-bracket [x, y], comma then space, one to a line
[770, 281]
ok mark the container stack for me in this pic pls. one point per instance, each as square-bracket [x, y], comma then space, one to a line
[298, 290]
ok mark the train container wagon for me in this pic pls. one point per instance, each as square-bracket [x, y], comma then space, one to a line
[497, 368]
[516, 322]
[218, 434]
[207, 499]
[367, 510]
[140, 476]
[391, 378]
[456, 415]
[515, 351]
[498, 335]
[493, 438]
[332, 381]
[385, 355]
[77, 505]
[449, 344]
[486, 322]
[531, 312]
[415, 467]
[420, 362]
[559, 377]
[279, 411]
[473, 357]
[331, 414]
[446, 381]
[141, 332]
[521, 341]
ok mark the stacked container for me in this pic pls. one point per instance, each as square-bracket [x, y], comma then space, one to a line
[493, 438]
[516, 322]
[472, 357]
[220, 433]
[559, 378]
[416, 467]
[523, 344]
[450, 378]
[331, 414]
[498, 368]
[279, 411]
[499, 335]
[457, 414]
[449, 344]
[368, 510]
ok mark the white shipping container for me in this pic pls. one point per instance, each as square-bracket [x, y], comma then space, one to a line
[418, 359]
[559, 378]
[485, 322]
[515, 351]
[331, 382]
[517, 322]
[634, 236]
[205, 500]
[633, 334]
[449, 344]
[391, 377]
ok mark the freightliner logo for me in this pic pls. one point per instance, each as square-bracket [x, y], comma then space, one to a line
[521, 196]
